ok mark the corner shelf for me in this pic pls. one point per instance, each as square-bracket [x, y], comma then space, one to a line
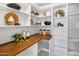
[41, 25]
[41, 16]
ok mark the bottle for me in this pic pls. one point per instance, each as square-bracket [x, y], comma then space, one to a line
[42, 24]
[40, 31]
[24, 34]
[28, 34]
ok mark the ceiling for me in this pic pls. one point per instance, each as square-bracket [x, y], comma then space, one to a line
[42, 4]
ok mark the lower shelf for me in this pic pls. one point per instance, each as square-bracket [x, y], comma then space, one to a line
[44, 45]
[43, 53]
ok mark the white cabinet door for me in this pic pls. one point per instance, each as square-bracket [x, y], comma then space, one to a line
[31, 51]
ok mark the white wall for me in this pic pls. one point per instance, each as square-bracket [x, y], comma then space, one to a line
[7, 32]
[23, 18]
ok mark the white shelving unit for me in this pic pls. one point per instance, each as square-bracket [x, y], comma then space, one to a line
[61, 33]
[41, 18]
[44, 45]
[65, 42]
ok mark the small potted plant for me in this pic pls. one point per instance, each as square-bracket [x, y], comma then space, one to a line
[18, 37]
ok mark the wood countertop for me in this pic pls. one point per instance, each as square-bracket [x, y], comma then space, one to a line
[9, 49]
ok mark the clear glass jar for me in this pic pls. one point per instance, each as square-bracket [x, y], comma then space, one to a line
[48, 31]
[44, 32]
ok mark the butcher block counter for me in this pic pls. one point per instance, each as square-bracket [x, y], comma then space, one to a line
[9, 49]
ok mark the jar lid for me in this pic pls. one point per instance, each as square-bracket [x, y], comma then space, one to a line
[44, 30]
[48, 30]
[40, 29]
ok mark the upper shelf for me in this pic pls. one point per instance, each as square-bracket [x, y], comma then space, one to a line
[4, 6]
[41, 16]
[60, 17]
[14, 26]
[12, 50]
